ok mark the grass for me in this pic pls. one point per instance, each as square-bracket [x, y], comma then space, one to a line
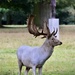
[62, 62]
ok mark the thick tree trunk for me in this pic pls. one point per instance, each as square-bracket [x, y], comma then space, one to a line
[37, 14]
[42, 12]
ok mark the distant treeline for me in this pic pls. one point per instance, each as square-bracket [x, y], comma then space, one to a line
[7, 16]
[66, 15]
[17, 11]
[12, 16]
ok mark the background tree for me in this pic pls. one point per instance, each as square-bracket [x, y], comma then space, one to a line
[63, 7]
[41, 8]
[66, 11]
[17, 11]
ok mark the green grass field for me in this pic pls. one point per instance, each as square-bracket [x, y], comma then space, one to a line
[62, 62]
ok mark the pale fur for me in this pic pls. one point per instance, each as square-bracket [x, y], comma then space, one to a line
[35, 57]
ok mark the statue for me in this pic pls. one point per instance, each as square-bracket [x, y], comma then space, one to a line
[52, 8]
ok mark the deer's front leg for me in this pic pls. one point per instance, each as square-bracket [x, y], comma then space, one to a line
[34, 70]
[27, 70]
[40, 71]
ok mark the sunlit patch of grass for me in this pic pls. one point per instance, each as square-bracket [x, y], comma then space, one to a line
[8, 63]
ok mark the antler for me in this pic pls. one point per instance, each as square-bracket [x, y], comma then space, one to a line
[55, 32]
[32, 28]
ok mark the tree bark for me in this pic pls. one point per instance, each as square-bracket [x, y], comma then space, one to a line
[52, 7]
[1, 20]
[37, 14]
[42, 12]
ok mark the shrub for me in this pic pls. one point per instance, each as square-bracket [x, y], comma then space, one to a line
[66, 15]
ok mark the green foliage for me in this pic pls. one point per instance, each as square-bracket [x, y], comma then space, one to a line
[65, 3]
[18, 10]
[65, 10]
[11, 16]
[63, 7]
[66, 15]
[16, 17]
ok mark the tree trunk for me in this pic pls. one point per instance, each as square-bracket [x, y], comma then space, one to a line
[37, 14]
[42, 11]
[1, 20]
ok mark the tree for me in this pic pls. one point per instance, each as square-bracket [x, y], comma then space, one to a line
[66, 8]
[15, 5]
[41, 8]
[63, 8]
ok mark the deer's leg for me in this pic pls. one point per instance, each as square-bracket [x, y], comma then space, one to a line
[34, 70]
[27, 70]
[20, 66]
[40, 71]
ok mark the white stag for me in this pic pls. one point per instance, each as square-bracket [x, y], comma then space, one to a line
[35, 57]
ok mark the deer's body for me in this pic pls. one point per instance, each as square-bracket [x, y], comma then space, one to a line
[30, 56]
[35, 57]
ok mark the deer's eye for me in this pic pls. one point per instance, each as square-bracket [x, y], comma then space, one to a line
[52, 39]
[55, 36]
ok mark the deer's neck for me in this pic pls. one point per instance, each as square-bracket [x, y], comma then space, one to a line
[47, 48]
[47, 45]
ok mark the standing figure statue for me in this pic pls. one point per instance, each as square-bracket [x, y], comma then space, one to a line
[52, 8]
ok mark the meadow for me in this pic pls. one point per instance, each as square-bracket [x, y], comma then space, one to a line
[62, 61]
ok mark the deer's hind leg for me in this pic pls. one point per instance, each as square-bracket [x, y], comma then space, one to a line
[20, 66]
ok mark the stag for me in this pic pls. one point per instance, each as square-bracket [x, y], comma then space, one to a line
[35, 57]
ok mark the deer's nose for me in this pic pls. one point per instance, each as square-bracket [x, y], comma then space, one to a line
[60, 43]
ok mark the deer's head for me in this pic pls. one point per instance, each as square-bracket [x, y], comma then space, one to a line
[51, 38]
